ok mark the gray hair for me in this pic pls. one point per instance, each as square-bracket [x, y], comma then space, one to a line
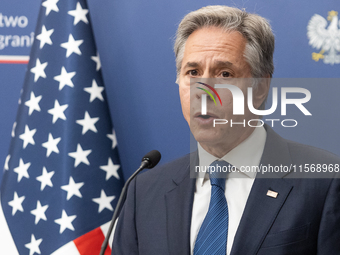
[254, 28]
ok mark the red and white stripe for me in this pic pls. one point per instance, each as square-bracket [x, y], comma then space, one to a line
[11, 59]
[87, 244]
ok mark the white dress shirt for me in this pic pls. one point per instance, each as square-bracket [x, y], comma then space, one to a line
[237, 188]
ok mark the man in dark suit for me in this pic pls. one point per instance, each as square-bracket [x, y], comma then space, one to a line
[280, 212]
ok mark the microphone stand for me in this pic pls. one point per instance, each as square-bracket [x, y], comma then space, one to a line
[119, 205]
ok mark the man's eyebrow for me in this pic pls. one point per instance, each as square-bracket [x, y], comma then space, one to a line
[192, 64]
[223, 63]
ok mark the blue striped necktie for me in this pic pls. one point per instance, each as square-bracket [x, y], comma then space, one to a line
[212, 237]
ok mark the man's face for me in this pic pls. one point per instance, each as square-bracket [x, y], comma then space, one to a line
[212, 53]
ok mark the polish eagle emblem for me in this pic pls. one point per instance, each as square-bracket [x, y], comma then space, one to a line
[325, 37]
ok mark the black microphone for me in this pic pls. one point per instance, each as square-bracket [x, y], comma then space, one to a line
[150, 160]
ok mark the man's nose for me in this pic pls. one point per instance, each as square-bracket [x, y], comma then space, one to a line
[201, 89]
[206, 74]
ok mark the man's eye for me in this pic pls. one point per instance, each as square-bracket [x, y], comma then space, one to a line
[225, 74]
[193, 72]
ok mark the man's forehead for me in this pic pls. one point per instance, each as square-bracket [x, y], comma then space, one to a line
[206, 36]
[221, 48]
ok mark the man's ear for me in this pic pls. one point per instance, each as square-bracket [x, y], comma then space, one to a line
[260, 91]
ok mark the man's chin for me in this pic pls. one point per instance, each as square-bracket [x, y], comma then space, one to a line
[209, 138]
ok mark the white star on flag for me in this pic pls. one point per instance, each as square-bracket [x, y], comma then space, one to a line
[58, 111]
[79, 14]
[45, 37]
[39, 70]
[13, 129]
[16, 203]
[72, 46]
[64, 78]
[6, 162]
[45, 179]
[80, 156]
[33, 103]
[19, 101]
[33, 246]
[97, 60]
[39, 212]
[65, 222]
[113, 138]
[27, 136]
[21, 170]
[104, 201]
[51, 145]
[51, 5]
[88, 123]
[72, 188]
[110, 169]
[95, 91]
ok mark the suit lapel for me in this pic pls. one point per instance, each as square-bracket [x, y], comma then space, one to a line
[259, 214]
[261, 210]
[179, 202]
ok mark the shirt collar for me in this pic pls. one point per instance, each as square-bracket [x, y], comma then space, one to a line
[247, 153]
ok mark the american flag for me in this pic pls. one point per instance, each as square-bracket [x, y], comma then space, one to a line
[62, 176]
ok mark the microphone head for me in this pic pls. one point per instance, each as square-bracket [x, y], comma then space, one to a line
[152, 157]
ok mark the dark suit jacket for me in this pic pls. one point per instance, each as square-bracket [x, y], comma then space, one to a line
[303, 219]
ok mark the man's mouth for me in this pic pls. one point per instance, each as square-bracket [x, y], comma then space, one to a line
[204, 116]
